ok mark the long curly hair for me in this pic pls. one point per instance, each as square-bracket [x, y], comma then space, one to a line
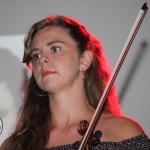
[33, 128]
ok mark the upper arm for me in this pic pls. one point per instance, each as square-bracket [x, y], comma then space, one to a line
[130, 128]
[121, 128]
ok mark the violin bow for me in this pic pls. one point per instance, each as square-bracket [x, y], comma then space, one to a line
[114, 74]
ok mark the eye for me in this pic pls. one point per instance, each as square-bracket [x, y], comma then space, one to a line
[55, 49]
[36, 56]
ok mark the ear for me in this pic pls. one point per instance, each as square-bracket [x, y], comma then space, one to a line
[85, 60]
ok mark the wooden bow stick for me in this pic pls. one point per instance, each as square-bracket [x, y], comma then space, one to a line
[85, 143]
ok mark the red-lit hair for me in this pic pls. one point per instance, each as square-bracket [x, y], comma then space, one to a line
[33, 128]
[96, 77]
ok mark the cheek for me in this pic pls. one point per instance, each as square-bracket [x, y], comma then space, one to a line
[71, 64]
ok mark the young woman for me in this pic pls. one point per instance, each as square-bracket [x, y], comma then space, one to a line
[69, 74]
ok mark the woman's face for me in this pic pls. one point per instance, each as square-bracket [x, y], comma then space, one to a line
[55, 60]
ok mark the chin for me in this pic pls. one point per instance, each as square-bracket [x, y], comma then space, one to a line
[50, 89]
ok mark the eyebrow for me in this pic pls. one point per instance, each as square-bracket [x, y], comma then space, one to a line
[52, 42]
[33, 49]
[48, 44]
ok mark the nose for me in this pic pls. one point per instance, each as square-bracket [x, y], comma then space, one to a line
[43, 60]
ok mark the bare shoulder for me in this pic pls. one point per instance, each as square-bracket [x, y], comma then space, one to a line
[118, 128]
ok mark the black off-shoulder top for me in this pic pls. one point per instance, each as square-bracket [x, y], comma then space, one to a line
[141, 142]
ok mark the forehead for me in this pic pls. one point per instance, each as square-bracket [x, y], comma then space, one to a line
[49, 34]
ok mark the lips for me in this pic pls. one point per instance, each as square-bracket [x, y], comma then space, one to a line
[46, 73]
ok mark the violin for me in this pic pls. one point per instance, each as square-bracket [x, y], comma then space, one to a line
[85, 129]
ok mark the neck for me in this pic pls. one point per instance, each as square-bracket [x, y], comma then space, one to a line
[70, 107]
